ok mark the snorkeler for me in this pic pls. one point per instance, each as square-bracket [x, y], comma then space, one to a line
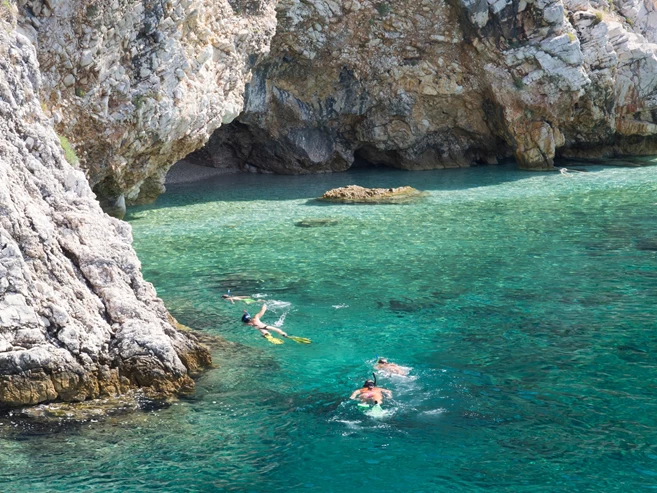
[258, 324]
[384, 365]
[264, 328]
[370, 392]
[229, 297]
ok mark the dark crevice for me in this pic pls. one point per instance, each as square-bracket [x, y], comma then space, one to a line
[370, 157]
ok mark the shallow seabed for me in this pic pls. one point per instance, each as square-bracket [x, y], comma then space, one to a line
[524, 304]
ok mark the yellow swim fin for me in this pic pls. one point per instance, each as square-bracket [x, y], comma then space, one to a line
[273, 339]
[300, 340]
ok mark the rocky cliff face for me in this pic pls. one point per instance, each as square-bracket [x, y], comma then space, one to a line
[77, 320]
[421, 84]
[136, 85]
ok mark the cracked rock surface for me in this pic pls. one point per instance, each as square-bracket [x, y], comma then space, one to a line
[420, 84]
[77, 320]
[136, 85]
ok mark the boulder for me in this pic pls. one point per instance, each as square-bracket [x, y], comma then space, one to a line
[356, 194]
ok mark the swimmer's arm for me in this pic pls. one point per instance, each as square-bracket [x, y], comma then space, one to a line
[261, 312]
[355, 394]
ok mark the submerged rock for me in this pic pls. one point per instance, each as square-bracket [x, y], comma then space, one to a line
[403, 306]
[95, 409]
[647, 244]
[316, 223]
[357, 194]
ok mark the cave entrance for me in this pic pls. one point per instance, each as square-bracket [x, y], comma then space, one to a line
[370, 157]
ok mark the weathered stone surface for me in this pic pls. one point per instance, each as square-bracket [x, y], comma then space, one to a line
[136, 85]
[432, 84]
[357, 194]
[77, 320]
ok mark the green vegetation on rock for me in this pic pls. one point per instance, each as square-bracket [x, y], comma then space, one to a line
[383, 9]
[598, 18]
[8, 13]
[69, 153]
[518, 83]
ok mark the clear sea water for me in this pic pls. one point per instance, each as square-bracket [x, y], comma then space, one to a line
[524, 304]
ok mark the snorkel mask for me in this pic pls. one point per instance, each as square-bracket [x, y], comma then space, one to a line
[246, 318]
[370, 383]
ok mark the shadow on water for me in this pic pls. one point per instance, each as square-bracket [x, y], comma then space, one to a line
[248, 187]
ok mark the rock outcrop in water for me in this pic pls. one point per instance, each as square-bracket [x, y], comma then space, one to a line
[77, 320]
[355, 194]
[419, 84]
[136, 85]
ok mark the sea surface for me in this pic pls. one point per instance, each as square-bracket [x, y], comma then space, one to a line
[523, 303]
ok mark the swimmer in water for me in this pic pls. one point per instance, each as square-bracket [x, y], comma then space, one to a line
[370, 393]
[258, 324]
[232, 299]
[384, 365]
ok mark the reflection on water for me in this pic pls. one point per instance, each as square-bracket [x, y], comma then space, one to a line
[524, 304]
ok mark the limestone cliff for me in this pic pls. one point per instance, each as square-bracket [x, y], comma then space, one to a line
[77, 320]
[136, 85]
[421, 84]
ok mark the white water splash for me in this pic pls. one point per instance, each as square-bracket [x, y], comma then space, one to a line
[279, 322]
[386, 413]
[433, 412]
[279, 307]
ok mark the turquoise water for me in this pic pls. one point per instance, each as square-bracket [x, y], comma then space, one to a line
[524, 304]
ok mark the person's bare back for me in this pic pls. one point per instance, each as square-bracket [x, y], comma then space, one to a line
[383, 365]
[370, 393]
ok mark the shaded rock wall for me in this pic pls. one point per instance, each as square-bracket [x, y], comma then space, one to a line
[136, 85]
[430, 84]
[77, 320]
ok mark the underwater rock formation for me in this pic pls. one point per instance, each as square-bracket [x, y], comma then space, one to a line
[137, 85]
[421, 84]
[77, 320]
[317, 222]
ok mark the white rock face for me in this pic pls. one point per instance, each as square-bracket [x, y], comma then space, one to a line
[137, 85]
[431, 84]
[77, 320]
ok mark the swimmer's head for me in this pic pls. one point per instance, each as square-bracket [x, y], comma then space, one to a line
[382, 361]
[246, 318]
[225, 296]
[369, 383]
